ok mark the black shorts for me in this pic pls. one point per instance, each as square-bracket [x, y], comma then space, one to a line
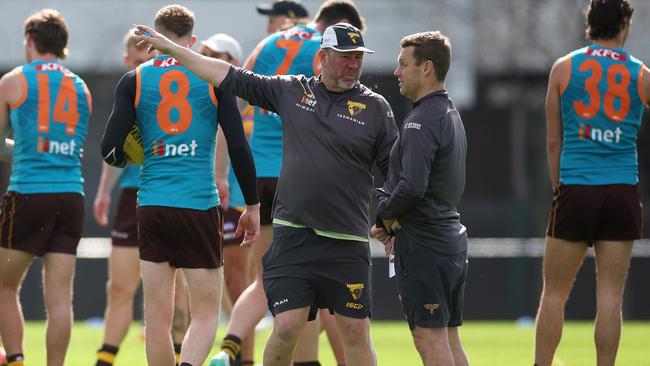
[430, 286]
[125, 227]
[591, 213]
[184, 237]
[302, 269]
[266, 191]
[230, 221]
[40, 223]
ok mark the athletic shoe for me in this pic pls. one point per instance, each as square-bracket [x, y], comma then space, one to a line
[221, 359]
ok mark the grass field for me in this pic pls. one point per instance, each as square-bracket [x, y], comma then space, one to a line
[487, 344]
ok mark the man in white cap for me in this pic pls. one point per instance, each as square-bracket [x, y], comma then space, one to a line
[223, 47]
[334, 129]
[238, 261]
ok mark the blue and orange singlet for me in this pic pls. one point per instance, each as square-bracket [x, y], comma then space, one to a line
[50, 123]
[130, 177]
[602, 107]
[290, 52]
[177, 116]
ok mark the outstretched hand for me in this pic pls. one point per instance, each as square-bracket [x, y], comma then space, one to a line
[153, 39]
[249, 225]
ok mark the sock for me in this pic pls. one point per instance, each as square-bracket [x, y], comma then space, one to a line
[307, 363]
[106, 355]
[16, 360]
[177, 352]
[186, 364]
[232, 346]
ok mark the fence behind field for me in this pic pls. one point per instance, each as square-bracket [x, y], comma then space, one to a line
[504, 282]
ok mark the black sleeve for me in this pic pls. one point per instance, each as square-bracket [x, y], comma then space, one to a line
[120, 121]
[418, 147]
[259, 90]
[386, 137]
[238, 149]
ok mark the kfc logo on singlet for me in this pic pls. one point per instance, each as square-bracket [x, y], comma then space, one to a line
[603, 52]
[298, 33]
[168, 62]
[52, 66]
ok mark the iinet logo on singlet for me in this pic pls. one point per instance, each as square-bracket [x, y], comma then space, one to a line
[160, 148]
[585, 131]
[45, 145]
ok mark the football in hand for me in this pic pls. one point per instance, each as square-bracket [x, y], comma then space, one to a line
[133, 148]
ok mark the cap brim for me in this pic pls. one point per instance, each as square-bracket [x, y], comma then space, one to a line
[350, 49]
[213, 47]
[265, 9]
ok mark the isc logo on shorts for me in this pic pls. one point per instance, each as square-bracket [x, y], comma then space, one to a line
[352, 305]
[355, 291]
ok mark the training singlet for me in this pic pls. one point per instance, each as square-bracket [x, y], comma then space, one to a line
[130, 177]
[290, 52]
[177, 116]
[50, 123]
[601, 114]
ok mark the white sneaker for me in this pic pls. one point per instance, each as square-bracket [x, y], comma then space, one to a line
[220, 359]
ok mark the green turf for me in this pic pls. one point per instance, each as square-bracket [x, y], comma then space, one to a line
[487, 343]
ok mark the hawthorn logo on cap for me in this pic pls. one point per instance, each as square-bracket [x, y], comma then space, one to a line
[344, 37]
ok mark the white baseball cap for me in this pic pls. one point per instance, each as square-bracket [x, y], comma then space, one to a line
[222, 42]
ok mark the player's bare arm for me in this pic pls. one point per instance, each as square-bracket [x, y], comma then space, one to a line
[645, 85]
[221, 163]
[10, 93]
[101, 205]
[209, 69]
[557, 79]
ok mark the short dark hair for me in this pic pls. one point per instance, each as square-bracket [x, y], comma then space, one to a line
[432, 46]
[607, 18]
[174, 20]
[333, 11]
[49, 32]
